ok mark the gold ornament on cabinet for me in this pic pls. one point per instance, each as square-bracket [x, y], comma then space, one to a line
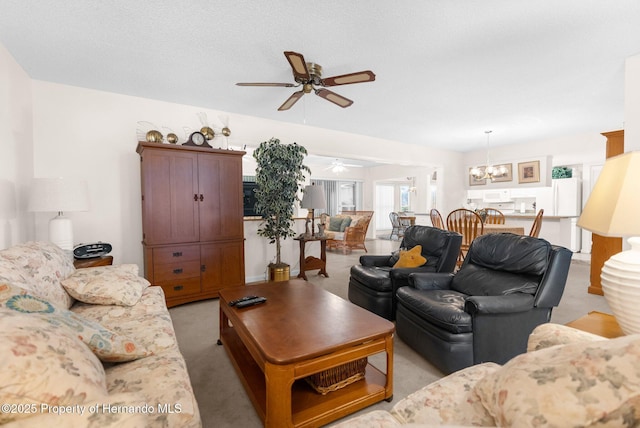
[149, 132]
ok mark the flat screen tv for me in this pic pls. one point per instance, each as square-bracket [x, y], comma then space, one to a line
[249, 198]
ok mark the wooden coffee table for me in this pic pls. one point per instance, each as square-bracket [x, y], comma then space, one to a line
[301, 330]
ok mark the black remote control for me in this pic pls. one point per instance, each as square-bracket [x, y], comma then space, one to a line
[242, 299]
[251, 302]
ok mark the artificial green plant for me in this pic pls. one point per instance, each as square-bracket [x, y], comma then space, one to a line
[279, 175]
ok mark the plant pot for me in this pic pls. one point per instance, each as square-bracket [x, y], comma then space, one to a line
[278, 272]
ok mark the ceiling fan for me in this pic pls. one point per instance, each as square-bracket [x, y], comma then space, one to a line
[309, 76]
[337, 166]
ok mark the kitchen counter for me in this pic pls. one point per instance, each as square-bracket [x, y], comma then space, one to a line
[532, 215]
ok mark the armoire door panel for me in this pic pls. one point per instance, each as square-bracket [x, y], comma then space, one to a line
[170, 213]
[221, 211]
[223, 265]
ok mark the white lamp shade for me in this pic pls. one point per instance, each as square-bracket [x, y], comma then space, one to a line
[313, 198]
[58, 195]
[614, 204]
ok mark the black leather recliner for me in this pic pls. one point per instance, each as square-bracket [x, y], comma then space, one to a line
[506, 286]
[374, 282]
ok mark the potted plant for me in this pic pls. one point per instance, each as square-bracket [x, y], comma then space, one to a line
[279, 175]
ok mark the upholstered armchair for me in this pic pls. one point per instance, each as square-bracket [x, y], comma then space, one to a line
[507, 285]
[346, 231]
[373, 283]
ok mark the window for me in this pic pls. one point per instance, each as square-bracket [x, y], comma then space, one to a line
[342, 195]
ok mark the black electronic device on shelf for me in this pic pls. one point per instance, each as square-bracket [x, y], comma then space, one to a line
[88, 251]
[249, 198]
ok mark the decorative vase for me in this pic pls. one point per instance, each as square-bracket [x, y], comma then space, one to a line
[621, 286]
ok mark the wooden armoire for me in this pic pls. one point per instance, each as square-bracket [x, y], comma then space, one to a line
[192, 220]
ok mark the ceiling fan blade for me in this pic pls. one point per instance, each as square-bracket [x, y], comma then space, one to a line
[298, 66]
[291, 100]
[334, 98]
[346, 79]
[286, 85]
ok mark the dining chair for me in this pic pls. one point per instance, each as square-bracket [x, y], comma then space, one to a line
[436, 219]
[491, 216]
[467, 223]
[395, 225]
[537, 224]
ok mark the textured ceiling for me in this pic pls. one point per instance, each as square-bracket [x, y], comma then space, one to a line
[446, 70]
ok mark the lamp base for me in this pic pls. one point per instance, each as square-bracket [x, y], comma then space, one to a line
[620, 279]
[61, 232]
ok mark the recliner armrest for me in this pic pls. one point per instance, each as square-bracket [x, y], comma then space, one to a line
[430, 280]
[510, 303]
[375, 261]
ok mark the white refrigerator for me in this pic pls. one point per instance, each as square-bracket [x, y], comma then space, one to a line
[564, 199]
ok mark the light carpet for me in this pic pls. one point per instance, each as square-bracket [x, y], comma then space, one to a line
[220, 394]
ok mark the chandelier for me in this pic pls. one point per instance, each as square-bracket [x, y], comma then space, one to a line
[488, 171]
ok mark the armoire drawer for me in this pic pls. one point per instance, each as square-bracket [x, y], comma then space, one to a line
[177, 270]
[175, 254]
[177, 288]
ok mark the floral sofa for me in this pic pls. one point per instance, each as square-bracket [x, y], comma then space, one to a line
[567, 378]
[86, 347]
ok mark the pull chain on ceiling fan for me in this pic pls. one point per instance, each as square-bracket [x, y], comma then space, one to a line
[309, 76]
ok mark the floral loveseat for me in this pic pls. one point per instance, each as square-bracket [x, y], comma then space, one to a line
[86, 347]
[568, 378]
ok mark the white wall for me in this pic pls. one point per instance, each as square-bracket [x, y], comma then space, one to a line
[91, 134]
[632, 104]
[16, 148]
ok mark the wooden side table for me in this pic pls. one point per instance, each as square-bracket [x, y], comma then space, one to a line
[93, 262]
[599, 323]
[312, 263]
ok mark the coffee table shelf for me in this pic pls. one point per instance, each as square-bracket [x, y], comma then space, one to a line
[291, 401]
[309, 408]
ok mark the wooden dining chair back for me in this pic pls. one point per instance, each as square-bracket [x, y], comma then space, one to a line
[537, 224]
[467, 223]
[491, 216]
[436, 219]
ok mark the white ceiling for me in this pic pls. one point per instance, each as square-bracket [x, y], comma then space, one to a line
[446, 70]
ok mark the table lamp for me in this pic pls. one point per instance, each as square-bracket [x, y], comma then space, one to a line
[313, 199]
[59, 195]
[612, 210]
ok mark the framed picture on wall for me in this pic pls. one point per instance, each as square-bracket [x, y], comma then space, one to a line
[529, 172]
[508, 176]
[476, 181]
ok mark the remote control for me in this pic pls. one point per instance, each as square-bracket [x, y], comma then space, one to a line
[251, 302]
[242, 299]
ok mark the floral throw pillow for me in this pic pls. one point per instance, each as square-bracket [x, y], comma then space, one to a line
[105, 344]
[106, 285]
[44, 364]
[584, 384]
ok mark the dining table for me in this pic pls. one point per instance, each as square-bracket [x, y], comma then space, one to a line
[407, 219]
[502, 228]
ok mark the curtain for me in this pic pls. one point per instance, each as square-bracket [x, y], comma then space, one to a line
[331, 193]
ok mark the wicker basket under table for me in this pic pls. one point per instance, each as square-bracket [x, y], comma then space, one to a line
[338, 377]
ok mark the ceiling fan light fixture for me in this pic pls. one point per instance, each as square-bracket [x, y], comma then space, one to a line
[338, 168]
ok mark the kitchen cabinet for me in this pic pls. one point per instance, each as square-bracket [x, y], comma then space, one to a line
[192, 220]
